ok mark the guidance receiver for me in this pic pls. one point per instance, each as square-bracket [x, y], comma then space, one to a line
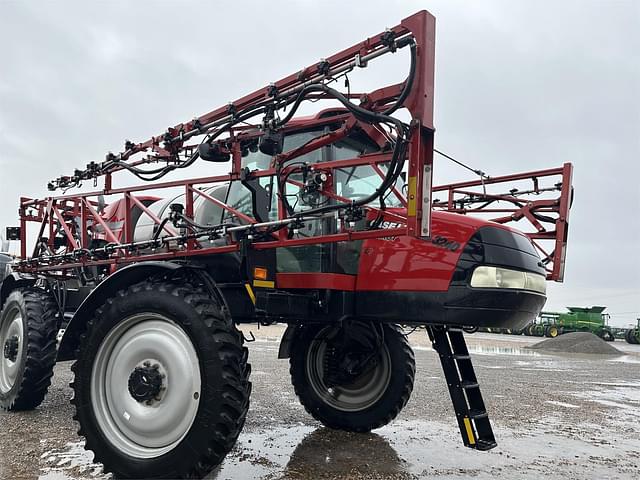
[328, 223]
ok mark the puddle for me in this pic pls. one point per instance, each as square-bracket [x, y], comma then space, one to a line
[623, 396]
[73, 458]
[301, 451]
[561, 404]
[498, 350]
[481, 349]
[421, 348]
[55, 475]
[403, 450]
[626, 359]
[414, 449]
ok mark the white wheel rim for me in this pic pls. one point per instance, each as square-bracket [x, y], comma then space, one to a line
[136, 428]
[11, 328]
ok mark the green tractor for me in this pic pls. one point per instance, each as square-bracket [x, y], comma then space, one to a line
[633, 334]
[577, 319]
[546, 325]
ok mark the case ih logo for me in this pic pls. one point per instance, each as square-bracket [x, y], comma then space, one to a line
[387, 224]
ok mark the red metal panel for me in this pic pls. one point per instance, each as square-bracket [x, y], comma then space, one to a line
[407, 263]
[562, 224]
[313, 280]
[420, 101]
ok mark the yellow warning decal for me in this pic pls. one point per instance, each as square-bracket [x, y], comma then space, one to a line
[252, 295]
[411, 200]
[467, 424]
[264, 283]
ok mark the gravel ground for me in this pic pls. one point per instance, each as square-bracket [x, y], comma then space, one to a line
[555, 416]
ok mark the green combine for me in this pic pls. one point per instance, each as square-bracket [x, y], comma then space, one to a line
[577, 319]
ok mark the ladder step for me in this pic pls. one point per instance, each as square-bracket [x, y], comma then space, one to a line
[471, 414]
[467, 385]
[484, 445]
[461, 357]
[477, 414]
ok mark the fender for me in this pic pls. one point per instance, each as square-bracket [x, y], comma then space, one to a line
[119, 280]
[13, 281]
[285, 343]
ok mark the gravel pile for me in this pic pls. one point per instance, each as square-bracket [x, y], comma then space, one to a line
[577, 342]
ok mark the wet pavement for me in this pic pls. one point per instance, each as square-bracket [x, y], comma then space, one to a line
[560, 416]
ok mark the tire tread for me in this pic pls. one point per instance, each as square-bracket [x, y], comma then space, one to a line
[338, 422]
[41, 341]
[232, 356]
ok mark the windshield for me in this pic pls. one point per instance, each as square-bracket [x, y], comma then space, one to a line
[259, 161]
[356, 183]
[350, 183]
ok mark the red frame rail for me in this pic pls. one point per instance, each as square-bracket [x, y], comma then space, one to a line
[70, 216]
[544, 206]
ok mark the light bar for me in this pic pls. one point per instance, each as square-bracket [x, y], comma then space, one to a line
[498, 277]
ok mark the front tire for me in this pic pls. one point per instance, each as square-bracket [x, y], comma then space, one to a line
[28, 329]
[161, 386]
[631, 337]
[606, 335]
[356, 378]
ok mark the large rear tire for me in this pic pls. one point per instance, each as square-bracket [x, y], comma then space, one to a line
[161, 386]
[28, 329]
[551, 331]
[356, 378]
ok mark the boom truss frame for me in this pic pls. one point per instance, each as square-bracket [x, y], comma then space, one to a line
[70, 217]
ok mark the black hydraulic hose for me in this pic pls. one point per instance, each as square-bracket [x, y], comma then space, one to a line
[160, 228]
[256, 110]
[398, 156]
[359, 112]
[161, 172]
[408, 83]
[397, 161]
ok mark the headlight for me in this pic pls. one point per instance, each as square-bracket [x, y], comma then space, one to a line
[496, 277]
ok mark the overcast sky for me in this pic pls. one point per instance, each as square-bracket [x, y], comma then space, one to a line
[520, 85]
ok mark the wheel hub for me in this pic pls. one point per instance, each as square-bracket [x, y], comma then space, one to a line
[11, 348]
[343, 368]
[124, 363]
[349, 374]
[146, 383]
